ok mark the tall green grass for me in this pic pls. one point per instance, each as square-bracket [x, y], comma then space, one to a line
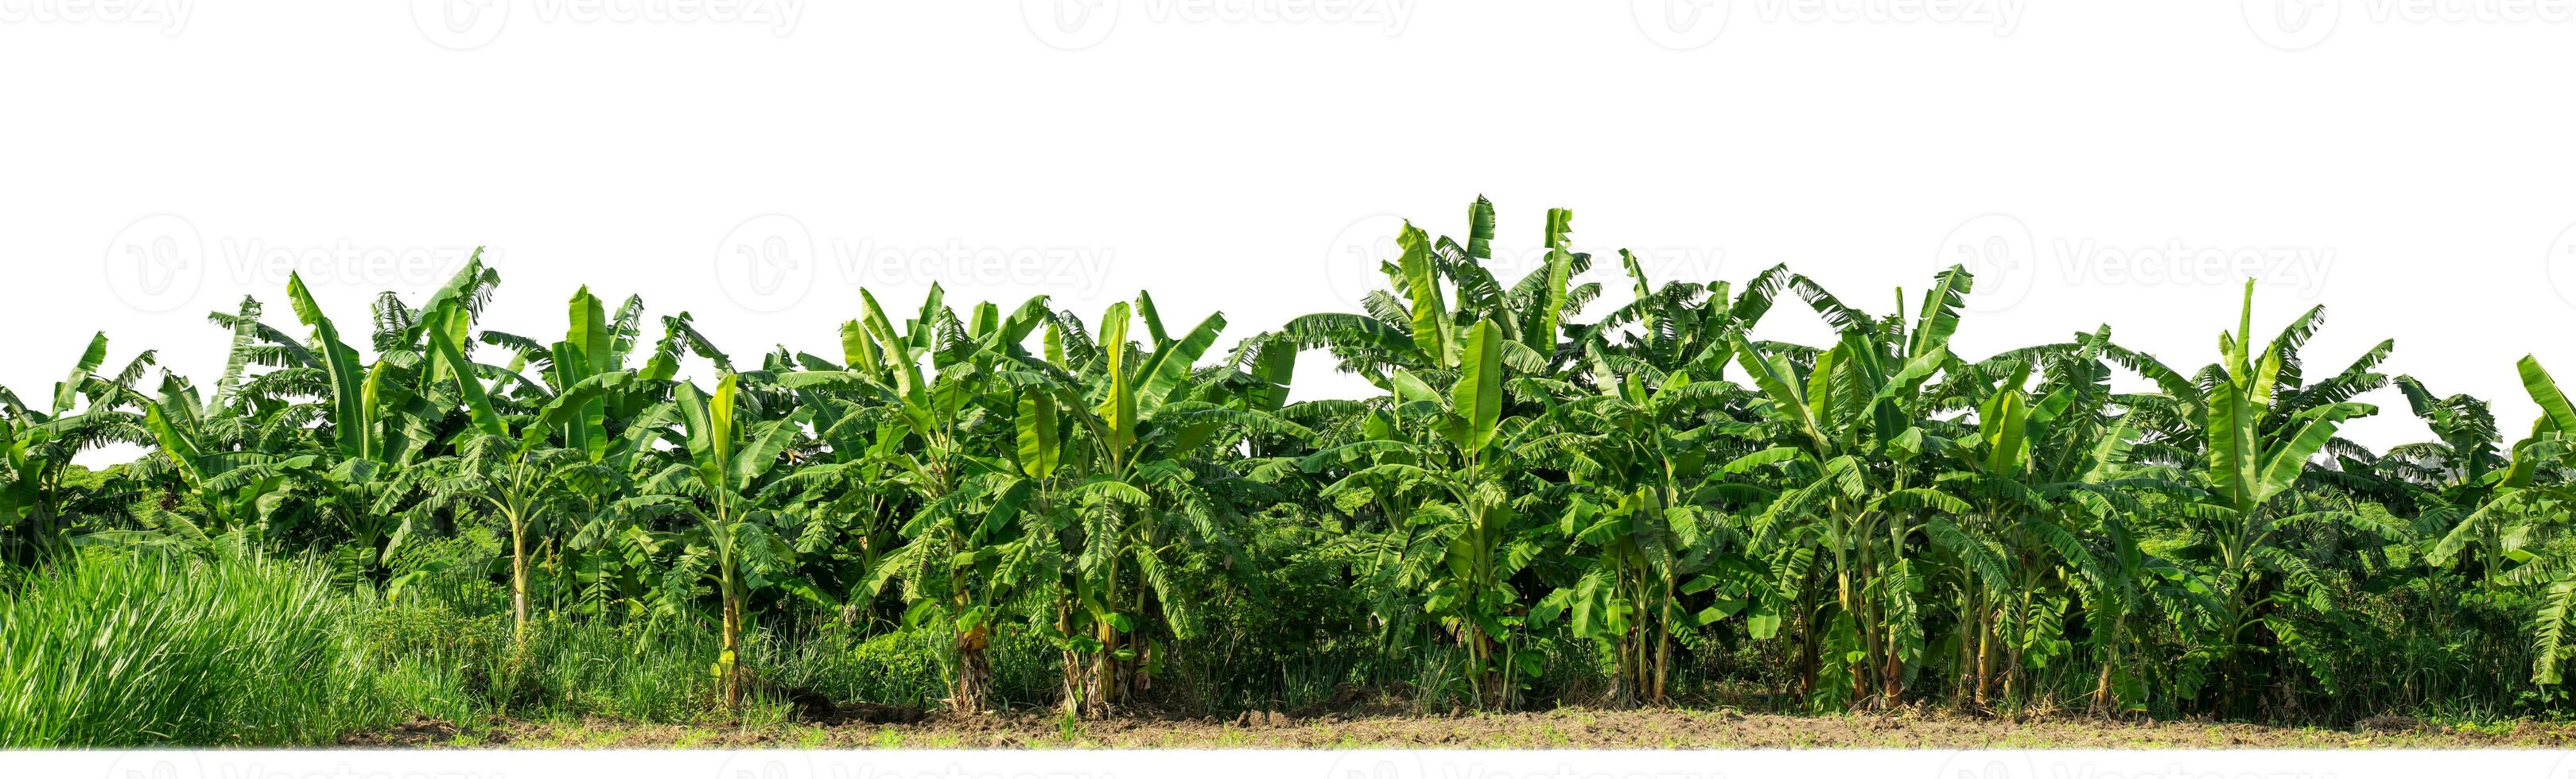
[124, 650]
[136, 649]
[567, 669]
[903, 667]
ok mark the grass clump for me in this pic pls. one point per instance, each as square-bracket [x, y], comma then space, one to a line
[119, 649]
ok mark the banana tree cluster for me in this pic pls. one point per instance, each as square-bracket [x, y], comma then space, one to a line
[1530, 489]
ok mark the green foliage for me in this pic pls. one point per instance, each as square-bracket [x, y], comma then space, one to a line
[128, 650]
[971, 507]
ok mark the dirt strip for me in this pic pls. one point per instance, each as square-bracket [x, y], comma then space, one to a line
[1560, 729]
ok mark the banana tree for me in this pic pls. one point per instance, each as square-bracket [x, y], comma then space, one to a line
[87, 410]
[1139, 483]
[2043, 476]
[2517, 528]
[926, 434]
[381, 417]
[522, 476]
[1847, 435]
[1652, 430]
[1441, 287]
[984, 533]
[725, 481]
[228, 477]
[227, 453]
[1682, 327]
[2449, 478]
[1466, 459]
[1644, 452]
[2259, 428]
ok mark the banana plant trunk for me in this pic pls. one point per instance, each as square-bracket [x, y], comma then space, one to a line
[1891, 669]
[1985, 655]
[1497, 698]
[731, 667]
[974, 670]
[518, 581]
[1963, 667]
[1663, 672]
[1104, 670]
[1864, 610]
[1070, 660]
[2102, 704]
[1136, 681]
[1810, 637]
[2012, 666]
[1103, 693]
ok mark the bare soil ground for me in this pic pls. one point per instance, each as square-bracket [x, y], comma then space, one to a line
[1559, 729]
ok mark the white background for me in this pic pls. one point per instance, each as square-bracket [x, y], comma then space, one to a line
[161, 162]
[158, 164]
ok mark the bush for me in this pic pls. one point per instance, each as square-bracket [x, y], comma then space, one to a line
[115, 649]
[905, 666]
